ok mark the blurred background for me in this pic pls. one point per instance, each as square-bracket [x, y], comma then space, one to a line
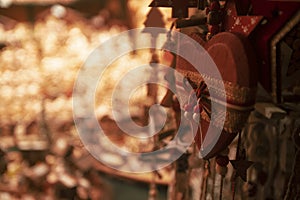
[43, 45]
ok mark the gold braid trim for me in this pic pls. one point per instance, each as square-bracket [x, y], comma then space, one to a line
[234, 93]
[239, 103]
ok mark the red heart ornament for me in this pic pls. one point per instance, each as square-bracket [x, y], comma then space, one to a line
[236, 63]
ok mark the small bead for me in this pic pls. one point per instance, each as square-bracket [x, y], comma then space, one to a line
[208, 36]
[188, 115]
[152, 193]
[197, 108]
[222, 160]
[221, 170]
[196, 117]
[188, 107]
[174, 98]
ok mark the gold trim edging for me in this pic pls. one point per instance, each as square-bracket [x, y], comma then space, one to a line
[237, 111]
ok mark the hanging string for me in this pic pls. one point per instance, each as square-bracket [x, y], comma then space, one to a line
[202, 86]
[222, 160]
[221, 188]
[213, 176]
[193, 154]
[201, 136]
[206, 173]
[153, 190]
[203, 184]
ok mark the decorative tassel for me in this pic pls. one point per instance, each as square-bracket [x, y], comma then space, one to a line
[222, 161]
[206, 172]
[240, 166]
[152, 192]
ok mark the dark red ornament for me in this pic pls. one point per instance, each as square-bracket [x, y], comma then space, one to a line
[236, 64]
[214, 17]
[222, 160]
[241, 167]
[188, 107]
[241, 24]
[197, 109]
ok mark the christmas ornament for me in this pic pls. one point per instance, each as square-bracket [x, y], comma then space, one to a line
[239, 24]
[222, 160]
[235, 61]
[241, 167]
[214, 18]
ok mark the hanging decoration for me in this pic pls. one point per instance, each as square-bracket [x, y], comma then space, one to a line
[234, 62]
[214, 18]
[240, 80]
[235, 23]
[241, 165]
[222, 160]
[231, 26]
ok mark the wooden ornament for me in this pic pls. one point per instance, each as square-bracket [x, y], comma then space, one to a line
[243, 25]
[241, 167]
[214, 18]
[222, 160]
[235, 61]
